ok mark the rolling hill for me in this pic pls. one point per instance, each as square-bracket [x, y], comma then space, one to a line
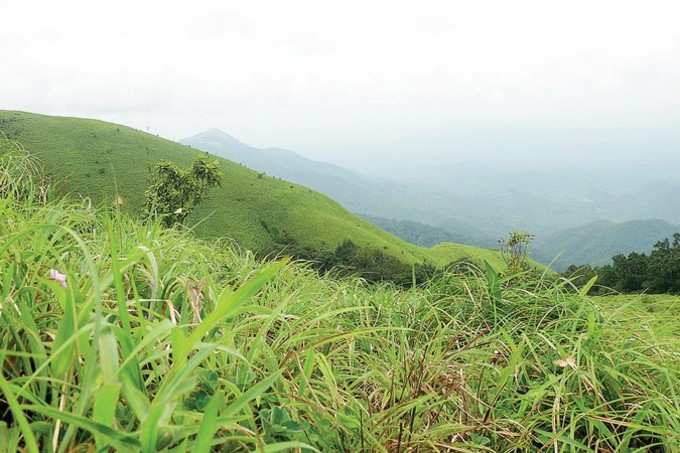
[101, 160]
[377, 197]
[427, 235]
[597, 242]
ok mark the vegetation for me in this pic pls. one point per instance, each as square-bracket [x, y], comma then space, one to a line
[597, 242]
[173, 193]
[515, 251]
[116, 334]
[657, 272]
[108, 164]
[368, 263]
[21, 177]
[428, 235]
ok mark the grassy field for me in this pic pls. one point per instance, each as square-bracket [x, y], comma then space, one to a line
[118, 335]
[99, 159]
[654, 316]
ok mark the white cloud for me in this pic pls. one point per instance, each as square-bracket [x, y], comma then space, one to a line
[350, 80]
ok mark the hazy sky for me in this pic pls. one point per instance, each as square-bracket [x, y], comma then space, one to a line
[351, 81]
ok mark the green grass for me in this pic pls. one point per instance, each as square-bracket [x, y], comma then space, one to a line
[165, 342]
[98, 159]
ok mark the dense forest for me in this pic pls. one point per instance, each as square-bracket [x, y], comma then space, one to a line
[656, 272]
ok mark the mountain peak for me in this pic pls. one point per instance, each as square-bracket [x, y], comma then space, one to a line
[217, 141]
[218, 135]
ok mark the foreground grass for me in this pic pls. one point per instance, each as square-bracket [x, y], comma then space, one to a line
[116, 335]
[162, 342]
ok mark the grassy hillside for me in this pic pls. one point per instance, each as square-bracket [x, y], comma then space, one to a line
[118, 336]
[597, 242]
[99, 159]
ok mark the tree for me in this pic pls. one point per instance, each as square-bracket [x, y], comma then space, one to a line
[173, 193]
[515, 250]
[658, 272]
[630, 271]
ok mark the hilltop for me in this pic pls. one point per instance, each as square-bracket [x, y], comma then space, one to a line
[100, 160]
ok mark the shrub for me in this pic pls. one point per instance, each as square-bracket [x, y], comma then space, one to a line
[173, 193]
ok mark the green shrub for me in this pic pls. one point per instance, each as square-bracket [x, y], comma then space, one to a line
[173, 193]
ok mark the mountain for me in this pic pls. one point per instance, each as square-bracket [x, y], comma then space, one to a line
[545, 197]
[597, 242]
[359, 193]
[428, 235]
[101, 160]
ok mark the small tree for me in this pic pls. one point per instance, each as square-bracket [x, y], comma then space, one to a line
[515, 250]
[173, 193]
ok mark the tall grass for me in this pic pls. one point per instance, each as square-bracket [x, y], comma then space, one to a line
[158, 341]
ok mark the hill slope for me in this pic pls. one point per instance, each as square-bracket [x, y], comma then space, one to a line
[427, 235]
[356, 192]
[597, 242]
[99, 159]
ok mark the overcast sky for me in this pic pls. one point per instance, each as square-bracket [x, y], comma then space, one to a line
[355, 81]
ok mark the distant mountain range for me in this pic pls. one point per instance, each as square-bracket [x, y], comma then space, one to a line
[478, 203]
[597, 242]
[358, 193]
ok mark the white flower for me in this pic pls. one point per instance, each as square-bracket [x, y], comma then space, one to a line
[58, 277]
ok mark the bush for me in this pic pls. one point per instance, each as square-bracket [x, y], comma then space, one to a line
[173, 193]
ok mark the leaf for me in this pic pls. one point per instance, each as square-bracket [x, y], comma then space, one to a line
[227, 304]
[286, 446]
[588, 286]
[104, 411]
[108, 356]
[62, 360]
[170, 389]
[252, 393]
[493, 281]
[307, 371]
[137, 400]
[18, 414]
[208, 425]
[121, 440]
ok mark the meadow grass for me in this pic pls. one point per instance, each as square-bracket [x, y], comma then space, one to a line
[159, 341]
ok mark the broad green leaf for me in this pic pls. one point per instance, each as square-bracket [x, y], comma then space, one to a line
[208, 424]
[120, 440]
[104, 412]
[18, 414]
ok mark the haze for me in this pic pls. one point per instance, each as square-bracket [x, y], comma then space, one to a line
[394, 88]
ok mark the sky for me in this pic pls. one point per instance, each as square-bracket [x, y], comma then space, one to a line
[388, 85]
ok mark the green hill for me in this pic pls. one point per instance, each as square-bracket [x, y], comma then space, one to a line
[100, 160]
[427, 235]
[597, 242]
